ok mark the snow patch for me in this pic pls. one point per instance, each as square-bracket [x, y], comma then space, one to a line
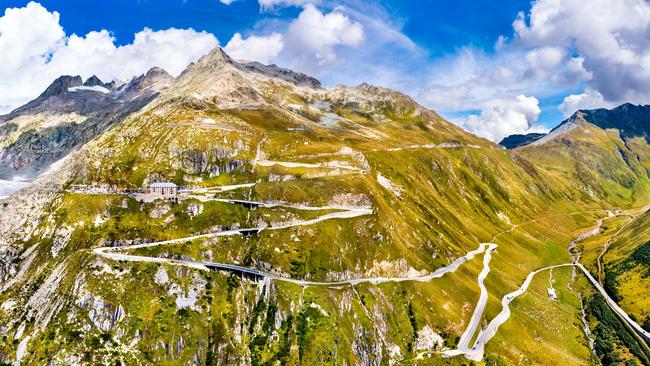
[95, 88]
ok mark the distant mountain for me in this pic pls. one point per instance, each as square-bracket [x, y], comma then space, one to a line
[597, 148]
[631, 120]
[66, 115]
[514, 141]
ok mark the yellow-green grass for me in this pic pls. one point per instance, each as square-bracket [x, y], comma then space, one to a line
[541, 330]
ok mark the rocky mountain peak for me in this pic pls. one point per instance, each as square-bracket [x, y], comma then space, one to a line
[291, 76]
[158, 77]
[93, 81]
[631, 120]
[61, 85]
[157, 72]
[215, 58]
[155, 79]
[516, 140]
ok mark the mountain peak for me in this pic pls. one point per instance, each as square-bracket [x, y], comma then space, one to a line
[156, 79]
[93, 81]
[157, 72]
[216, 57]
[630, 119]
[275, 71]
[60, 85]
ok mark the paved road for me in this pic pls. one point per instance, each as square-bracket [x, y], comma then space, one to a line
[484, 335]
[114, 253]
[463, 343]
[474, 353]
[290, 164]
[615, 308]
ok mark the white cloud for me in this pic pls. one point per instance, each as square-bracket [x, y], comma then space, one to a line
[501, 118]
[590, 99]
[599, 45]
[312, 37]
[610, 37]
[310, 43]
[270, 4]
[256, 48]
[36, 50]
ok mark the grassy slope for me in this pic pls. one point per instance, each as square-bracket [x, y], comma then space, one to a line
[451, 200]
[629, 275]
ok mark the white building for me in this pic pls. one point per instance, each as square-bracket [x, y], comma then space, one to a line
[165, 189]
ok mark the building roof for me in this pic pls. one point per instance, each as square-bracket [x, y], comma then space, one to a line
[162, 185]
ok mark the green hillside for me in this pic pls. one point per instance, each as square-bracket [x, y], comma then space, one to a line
[423, 192]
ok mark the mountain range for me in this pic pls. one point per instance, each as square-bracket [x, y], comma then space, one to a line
[313, 225]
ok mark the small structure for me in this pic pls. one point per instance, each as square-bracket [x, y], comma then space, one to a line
[165, 189]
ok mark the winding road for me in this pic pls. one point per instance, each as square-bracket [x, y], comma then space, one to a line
[114, 253]
[473, 352]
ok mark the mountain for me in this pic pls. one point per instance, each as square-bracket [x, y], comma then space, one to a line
[631, 120]
[514, 141]
[598, 157]
[65, 116]
[344, 225]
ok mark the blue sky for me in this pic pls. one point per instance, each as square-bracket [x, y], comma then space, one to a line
[493, 67]
[438, 26]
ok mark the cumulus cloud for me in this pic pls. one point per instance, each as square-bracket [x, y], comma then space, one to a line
[313, 36]
[309, 43]
[559, 46]
[610, 37]
[500, 118]
[256, 48]
[590, 99]
[36, 50]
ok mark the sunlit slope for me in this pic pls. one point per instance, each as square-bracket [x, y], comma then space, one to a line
[627, 268]
[436, 190]
[599, 162]
[435, 193]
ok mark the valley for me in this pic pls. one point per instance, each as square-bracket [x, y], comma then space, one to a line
[313, 225]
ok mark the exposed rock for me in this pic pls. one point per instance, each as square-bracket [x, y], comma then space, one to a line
[384, 182]
[188, 297]
[46, 302]
[104, 315]
[160, 210]
[22, 348]
[194, 209]
[429, 340]
[61, 239]
[161, 277]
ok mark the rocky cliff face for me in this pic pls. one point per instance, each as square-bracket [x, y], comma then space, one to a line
[66, 116]
[632, 120]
